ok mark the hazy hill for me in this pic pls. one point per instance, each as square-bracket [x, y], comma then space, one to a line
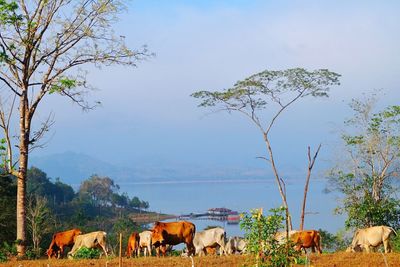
[73, 167]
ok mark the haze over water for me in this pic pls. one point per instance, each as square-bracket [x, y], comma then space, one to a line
[185, 197]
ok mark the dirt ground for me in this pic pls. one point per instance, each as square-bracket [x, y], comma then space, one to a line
[325, 260]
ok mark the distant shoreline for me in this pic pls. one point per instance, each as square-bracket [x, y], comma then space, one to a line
[220, 181]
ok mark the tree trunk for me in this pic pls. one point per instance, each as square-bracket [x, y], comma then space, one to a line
[279, 181]
[310, 166]
[21, 177]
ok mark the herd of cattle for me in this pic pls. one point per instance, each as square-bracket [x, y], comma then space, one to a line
[164, 236]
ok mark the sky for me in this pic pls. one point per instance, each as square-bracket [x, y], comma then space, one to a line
[147, 114]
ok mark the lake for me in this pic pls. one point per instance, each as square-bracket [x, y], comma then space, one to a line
[183, 197]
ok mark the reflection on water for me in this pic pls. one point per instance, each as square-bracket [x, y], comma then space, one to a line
[174, 197]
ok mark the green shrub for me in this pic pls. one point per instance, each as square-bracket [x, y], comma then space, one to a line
[87, 253]
[3, 256]
[32, 254]
[395, 242]
[260, 233]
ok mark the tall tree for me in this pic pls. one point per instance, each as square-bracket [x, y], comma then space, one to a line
[275, 90]
[43, 44]
[367, 177]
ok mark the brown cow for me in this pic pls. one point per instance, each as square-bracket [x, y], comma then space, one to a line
[133, 245]
[173, 233]
[307, 239]
[60, 241]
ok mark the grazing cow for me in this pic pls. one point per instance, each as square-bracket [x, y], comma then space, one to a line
[61, 240]
[209, 238]
[90, 240]
[235, 245]
[133, 245]
[145, 242]
[173, 233]
[307, 239]
[372, 237]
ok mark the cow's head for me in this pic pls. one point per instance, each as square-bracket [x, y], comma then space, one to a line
[158, 233]
[76, 233]
[356, 248]
[51, 253]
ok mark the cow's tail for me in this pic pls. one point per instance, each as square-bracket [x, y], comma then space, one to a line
[194, 231]
[395, 233]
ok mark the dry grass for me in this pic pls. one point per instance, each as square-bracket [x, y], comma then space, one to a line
[332, 260]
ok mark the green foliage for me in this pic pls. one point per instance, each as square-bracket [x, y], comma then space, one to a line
[8, 13]
[368, 212]
[260, 233]
[39, 184]
[334, 242]
[7, 250]
[367, 177]
[267, 86]
[32, 254]
[8, 202]
[122, 225]
[3, 257]
[63, 83]
[395, 242]
[87, 253]
[98, 189]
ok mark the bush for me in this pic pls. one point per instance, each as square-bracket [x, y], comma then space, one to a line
[7, 251]
[3, 256]
[87, 253]
[260, 233]
[395, 242]
[32, 254]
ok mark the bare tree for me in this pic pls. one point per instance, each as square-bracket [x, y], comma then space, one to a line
[275, 90]
[311, 163]
[43, 44]
[39, 219]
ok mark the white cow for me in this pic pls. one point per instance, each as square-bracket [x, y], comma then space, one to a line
[145, 242]
[235, 244]
[281, 236]
[209, 238]
[90, 240]
[372, 237]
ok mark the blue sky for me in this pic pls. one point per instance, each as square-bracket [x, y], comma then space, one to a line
[147, 114]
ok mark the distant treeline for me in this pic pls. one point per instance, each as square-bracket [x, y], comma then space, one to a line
[55, 206]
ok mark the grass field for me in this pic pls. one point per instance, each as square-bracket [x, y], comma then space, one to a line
[331, 260]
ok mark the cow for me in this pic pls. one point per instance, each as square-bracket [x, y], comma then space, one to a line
[145, 242]
[61, 240]
[235, 245]
[133, 245]
[372, 237]
[209, 238]
[307, 239]
[90, 240]
[173, 233]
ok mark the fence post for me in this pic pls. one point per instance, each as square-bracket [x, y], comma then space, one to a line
[120, 250]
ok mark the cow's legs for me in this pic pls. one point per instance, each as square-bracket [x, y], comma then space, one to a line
[222, 249]
[386, 246]
[104, 249]
[367, 248]
[60, 252]
[191, 249]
